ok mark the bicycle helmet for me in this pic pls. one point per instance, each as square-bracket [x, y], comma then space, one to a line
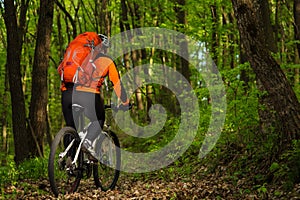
[105, 40]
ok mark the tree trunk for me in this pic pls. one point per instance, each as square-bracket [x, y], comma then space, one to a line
[268, 33]
[268, 118]
[267, 70]
[4, 119]
[183, 44]
[39, 92]
[214, 36]
[14, 46]
[297, 21]
[297, 36]
[104, 17]
[135, 55]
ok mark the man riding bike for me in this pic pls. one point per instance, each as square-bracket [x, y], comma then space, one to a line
[89, 96]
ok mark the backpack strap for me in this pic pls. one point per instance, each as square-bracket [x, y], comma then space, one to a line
[75, 77]
[62, 75]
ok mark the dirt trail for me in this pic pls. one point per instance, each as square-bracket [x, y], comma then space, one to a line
[206, 187]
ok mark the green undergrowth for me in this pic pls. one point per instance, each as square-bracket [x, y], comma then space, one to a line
[22, 176]
[255, 166]
[35, 169]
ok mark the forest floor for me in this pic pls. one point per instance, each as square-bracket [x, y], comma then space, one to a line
[199, 185]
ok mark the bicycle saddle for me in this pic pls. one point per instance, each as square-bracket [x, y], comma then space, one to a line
[77, 107]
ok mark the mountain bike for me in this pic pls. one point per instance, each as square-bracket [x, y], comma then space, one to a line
[68, 164]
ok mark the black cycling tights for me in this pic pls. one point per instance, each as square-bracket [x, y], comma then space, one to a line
[93, 110]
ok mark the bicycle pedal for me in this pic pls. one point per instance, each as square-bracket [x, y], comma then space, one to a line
[61, 164]
[90, 157]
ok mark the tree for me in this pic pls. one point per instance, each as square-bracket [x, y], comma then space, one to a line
[297, 37]
[14, 47]
[181, 17]
[267, 70]
[4, 117]
[297, 21]
[72, 21]
[268, 118]
[39, 97]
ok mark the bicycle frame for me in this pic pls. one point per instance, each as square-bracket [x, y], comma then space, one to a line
[79, 117]
[82, 132]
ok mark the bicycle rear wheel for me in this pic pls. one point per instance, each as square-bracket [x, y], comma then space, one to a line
[63, 176]
[106, 172]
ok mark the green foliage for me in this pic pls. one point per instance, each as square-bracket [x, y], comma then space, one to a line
[9, 174]
[262, 190]
[242, 104]
[33, 169]
[153, 143]
[287, 169]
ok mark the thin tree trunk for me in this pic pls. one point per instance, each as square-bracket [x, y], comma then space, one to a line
[4, 119]
[105, 21]
[297, 22]
[297, 37]
[39, 92]
[125, 26]
[14, 46]
[214, 36]
[138, 57]
[68, 15]
[183, 44]
[48, 136]
[149, 87]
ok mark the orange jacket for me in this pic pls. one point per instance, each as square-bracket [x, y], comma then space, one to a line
[105, 66]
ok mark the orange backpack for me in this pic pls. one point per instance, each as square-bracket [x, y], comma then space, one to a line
[76, 66]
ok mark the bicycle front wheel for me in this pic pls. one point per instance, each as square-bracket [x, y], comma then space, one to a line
[64, 176]
[106, 172]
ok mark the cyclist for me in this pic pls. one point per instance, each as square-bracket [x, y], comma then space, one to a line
[90, 98]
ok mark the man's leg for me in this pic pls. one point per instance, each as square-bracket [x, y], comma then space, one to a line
[66, 102]
[96, 114]
[94, 111]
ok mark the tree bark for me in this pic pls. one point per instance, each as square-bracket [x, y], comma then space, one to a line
[214, 35]
[183, 44]
[297, 36]
[39, 92]
[268, 118]
[267, 70]
[103, 17]
[297, 21]
[14, 46]
[268, 33]
[138, 56]
[4, 119]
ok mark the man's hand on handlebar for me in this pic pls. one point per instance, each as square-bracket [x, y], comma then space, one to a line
[125, 107]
